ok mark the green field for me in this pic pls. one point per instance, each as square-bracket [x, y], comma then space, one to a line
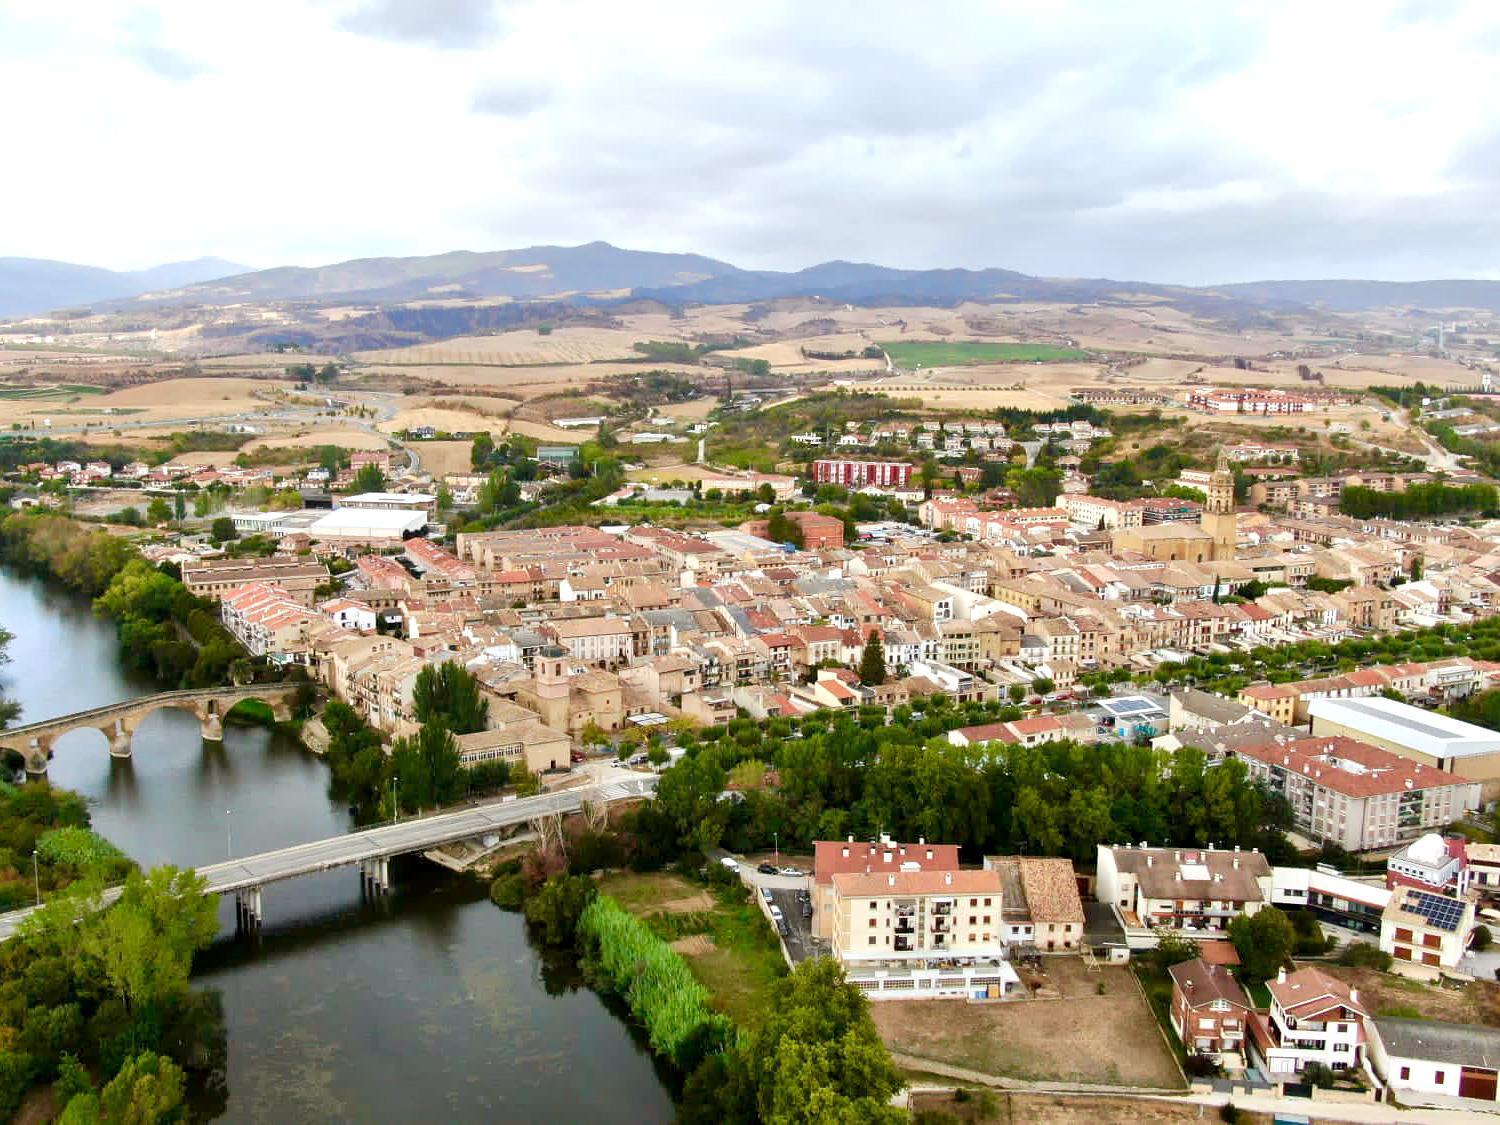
[956, 353]
[48, 394]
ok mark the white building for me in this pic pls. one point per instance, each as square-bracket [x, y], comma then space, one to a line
[1422, 1058]
[1313, 1019]
[1426, 928]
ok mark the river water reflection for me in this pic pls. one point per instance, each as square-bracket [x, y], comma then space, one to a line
[428, 1003]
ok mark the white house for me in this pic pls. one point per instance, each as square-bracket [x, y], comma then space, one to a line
[1313, 1019]
[1418, 1058]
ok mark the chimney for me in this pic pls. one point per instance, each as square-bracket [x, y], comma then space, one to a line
[1236, 861]
[922, 840]
[1354, 996]
[948, 878]
[851, 840]
[1148, 861]
[890, 880]
[846, 853]
[1281, 975]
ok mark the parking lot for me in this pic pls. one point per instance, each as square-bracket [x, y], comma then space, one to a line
[784, 891]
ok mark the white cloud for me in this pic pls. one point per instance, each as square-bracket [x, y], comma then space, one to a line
[1173, 142]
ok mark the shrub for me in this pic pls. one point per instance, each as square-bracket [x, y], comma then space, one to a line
[1363, 955]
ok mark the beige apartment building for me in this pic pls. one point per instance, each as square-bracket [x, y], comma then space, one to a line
[213, 578]
[914, 916]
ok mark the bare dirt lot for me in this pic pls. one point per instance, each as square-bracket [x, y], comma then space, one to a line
[1389, 995]
[1080, 1037]
[1002, 1108]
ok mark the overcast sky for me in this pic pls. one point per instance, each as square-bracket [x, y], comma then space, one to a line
[1194, 142]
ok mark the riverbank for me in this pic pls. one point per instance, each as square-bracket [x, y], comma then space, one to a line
[427, 1000]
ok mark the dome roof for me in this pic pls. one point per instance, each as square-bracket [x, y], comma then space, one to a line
[1429, 849]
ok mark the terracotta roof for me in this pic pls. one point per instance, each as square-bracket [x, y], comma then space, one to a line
[1308, 993]
[835, 857]
[1051, 890]
[1348, 766]
[917, 883]
[1202, 982]
[1222, 875]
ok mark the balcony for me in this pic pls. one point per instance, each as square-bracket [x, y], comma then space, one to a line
[941, 908]
[904, 926]
[941, 926]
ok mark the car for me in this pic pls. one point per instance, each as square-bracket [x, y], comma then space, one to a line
[730, 862]
[803, 896]
[765, 893]
[776, 915]
[577, 756]
[791, 872]
[766, 868]
[807, 910]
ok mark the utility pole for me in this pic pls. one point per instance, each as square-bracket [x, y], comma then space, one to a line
[36, 875]
[228, 833]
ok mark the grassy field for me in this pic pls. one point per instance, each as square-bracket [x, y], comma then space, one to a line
[1022, 1038]
[956, 353]
[55, 393]
[724, 938]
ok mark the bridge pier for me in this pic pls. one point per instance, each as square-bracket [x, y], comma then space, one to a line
[119, 742]
[212, 728]
[375, 876]
[248, 912]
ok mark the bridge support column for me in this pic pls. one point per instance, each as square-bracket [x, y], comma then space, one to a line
[119, 742]
[36, 757]
[248, 913]
[213, 728]
[375, 876]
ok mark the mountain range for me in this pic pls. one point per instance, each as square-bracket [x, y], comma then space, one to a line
[37, 285]
[598, 272]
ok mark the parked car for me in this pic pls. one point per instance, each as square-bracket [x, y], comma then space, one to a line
[766, 868]
[765, 893]
[792, 872]
[730, 862]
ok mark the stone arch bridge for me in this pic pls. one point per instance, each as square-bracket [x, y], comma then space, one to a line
[118, 721]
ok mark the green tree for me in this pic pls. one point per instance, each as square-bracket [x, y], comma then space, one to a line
[817, 1056]
[369, 479]
[147, 1090]
[1171, 949]
[481, 451]
[1264, 940]
[429, 767]
[9, 708]
[158, 511]
[555, 908]
[223, 530]
[450, 693]
[145, 943]
[872, 660]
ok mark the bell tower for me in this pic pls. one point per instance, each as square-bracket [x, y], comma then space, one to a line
[1219, 518]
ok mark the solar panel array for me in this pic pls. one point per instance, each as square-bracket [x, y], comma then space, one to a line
[1441, 912]
[1129, 705]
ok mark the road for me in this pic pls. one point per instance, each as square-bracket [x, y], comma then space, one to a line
[413, 835]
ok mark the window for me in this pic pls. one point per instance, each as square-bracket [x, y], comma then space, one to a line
[872, 904]
[1437, 1076]
[1405, 1073]
[986, 902]
[971, 919]
[973, 902]
[872, 939]
[872, 923]
[986, 919]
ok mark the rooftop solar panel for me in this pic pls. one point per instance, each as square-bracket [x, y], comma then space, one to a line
[1441, 912]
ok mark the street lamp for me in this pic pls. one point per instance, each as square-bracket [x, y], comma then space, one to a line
[776, 845]
[228, 833]
[395, 798]
[36, 875]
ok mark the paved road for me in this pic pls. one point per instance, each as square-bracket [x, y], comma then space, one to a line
[413, 835]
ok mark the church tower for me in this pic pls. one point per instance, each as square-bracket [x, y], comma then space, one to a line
[1219, 518]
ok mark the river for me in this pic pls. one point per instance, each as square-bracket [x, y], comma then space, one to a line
[427, 1003]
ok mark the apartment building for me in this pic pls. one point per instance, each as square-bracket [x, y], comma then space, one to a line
[915, 916]
[213, 578]
[269, 622]
[597, 641]
[1191, 890]
[861, 474]
[1312, 1018]
[844, 857]
[1355, 795]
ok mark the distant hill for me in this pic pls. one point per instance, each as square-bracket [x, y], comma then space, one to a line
[598, 272]
[1353, 296]
[536, 271]
[38, 285]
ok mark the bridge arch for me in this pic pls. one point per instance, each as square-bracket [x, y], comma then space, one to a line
[118, 722]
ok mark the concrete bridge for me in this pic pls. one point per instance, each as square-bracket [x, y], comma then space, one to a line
[118, 721]
[373, 848]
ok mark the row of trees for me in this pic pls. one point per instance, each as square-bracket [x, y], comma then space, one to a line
[1418, 501]
[847, 774]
